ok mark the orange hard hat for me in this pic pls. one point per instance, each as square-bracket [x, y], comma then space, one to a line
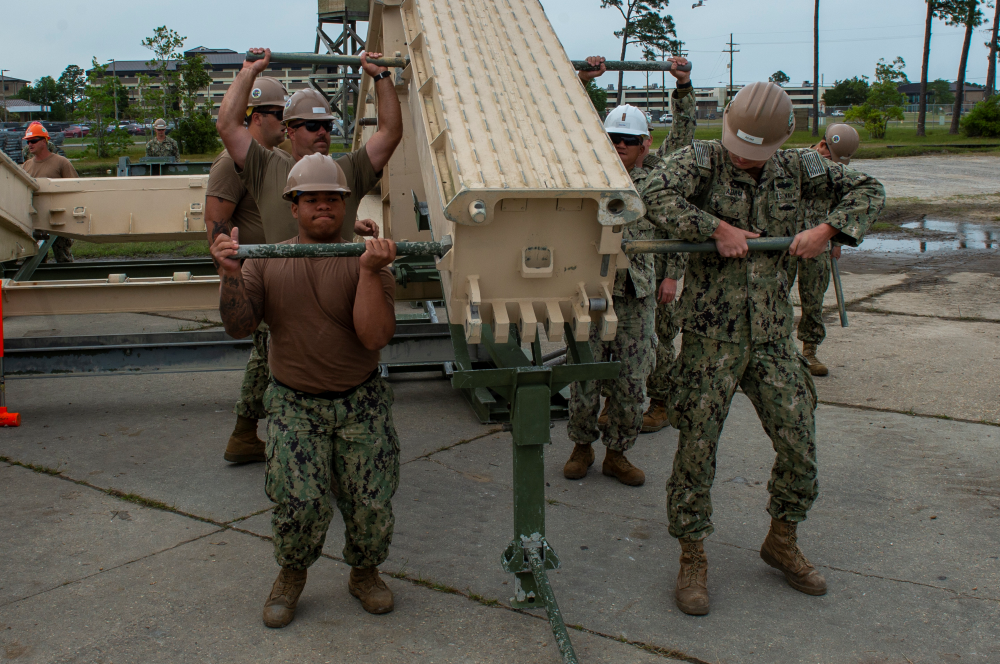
[36, 130]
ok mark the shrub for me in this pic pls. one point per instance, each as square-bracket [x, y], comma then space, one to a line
[983, 119]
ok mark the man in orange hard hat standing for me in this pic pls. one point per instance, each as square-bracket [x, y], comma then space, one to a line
[46, 164]
[737, 319]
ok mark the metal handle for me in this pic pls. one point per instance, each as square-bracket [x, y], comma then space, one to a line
[682, 247]
[338, 249]
[322, 60]
[839, 290]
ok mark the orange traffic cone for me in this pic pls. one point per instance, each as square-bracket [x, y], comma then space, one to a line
[6, 419]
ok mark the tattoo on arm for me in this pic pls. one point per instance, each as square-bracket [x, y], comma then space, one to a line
[239, 315]
[221, 228]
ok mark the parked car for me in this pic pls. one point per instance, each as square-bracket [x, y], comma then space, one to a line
[837, 114]
[76, 131]
[666, 118]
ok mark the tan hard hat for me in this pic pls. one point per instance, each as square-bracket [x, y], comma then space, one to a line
[315, 172]
[267, 91]
[842, 141]
[307, 104]
[757, 121]
[159, 124]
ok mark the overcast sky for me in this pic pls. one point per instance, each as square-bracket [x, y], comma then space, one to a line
[773, 35]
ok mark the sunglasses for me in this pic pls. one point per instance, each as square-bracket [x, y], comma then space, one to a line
[277, 115]
[32, 141]
[627, 139]
[313, 126]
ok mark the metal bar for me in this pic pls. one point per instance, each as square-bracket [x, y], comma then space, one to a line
[680, 246]
[551, 606]
[355, 61]
[338, 249]
[839, 290]
[630, 65]
[24, 274]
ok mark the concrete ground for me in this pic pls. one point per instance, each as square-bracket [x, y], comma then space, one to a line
[129, 539]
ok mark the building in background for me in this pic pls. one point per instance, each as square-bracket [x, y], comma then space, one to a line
[11, 85]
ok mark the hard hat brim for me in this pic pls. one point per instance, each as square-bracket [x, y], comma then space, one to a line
[627, 132]
[747, 150]
[289, 194]
[309, 116]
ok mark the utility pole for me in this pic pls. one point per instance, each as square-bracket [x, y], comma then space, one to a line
[114, 73]
[816, 70]
[730, 51]
[3, 92]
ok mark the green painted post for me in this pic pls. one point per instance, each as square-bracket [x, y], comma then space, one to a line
[530, 426]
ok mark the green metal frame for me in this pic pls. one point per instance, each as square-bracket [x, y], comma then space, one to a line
[527, 385]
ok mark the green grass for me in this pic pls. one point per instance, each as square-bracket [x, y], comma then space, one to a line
[140, 249]
[905, 136]
[94, 167]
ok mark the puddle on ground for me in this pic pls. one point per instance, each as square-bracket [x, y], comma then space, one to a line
[955, 235]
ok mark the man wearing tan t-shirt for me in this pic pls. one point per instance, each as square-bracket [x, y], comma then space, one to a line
[309, 120]
[46, 164]
[228, 204]
[330, 435]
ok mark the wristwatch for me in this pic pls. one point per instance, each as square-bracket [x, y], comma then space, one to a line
[378, 77]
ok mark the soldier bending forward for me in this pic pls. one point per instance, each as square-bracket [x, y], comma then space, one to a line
[330, 436]
[737, 319]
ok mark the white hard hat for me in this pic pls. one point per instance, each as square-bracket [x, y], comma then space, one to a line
[626, 119]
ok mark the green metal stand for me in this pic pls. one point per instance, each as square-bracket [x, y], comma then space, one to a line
[527, 384]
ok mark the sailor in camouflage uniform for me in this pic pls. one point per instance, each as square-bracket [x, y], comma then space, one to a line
[737, 318]
[161, 145]
[634, 301]
[840, 142]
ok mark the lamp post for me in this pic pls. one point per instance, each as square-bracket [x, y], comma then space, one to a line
[115, 74]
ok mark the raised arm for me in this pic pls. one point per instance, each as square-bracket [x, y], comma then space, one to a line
[390, 117]
[240, 315]
[374, 314]
[234, 134]
[683, 107]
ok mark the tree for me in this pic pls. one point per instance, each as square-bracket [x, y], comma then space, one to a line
[598, 97]
[983, 119]
[643, 25]
[98, 104]
[884, 101]
[922, 100]
[939, 92]
[779, 77]
[72, 83]
[195, 131]
[165, 45]
[45, 92]
[967, 13]
[994, 45]
[849, 92]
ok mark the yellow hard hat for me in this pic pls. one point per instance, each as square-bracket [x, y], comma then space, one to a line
[315, 172]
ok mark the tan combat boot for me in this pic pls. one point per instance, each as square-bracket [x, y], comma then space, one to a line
[244, 446]
[816, 367]
[656, 417]
[366, 584]
[617, 466]
[781, 552]
[691, 593]
[279, 610]
[580, 460]
[602, 419]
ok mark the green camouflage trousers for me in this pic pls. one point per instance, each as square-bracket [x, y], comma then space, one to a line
[814, 279]
[658, 385]
[320, 451]
[775, 378]
[256, 378]
[633, 347]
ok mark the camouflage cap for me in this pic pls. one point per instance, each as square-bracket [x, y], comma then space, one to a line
[315, 172]
[757, 121]
[307, 104]
[842, 141]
